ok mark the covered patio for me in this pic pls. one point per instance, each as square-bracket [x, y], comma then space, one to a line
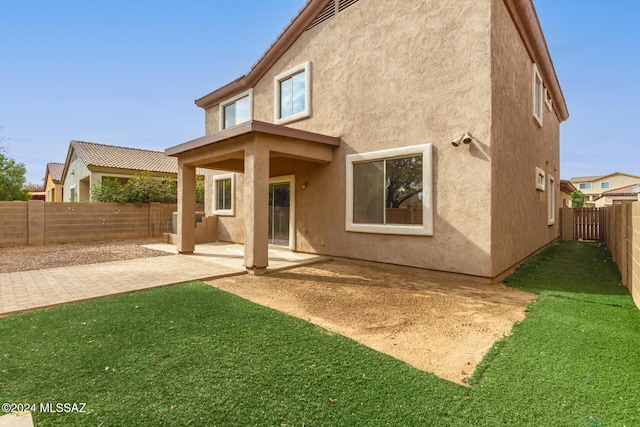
[249, 148]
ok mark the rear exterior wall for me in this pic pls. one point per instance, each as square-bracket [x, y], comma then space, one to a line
[421, 74]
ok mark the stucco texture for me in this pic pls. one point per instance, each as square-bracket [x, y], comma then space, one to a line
[420, 75]
[388, 74]
[519, 145]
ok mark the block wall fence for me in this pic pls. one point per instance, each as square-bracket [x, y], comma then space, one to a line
[623, 240]
[36, 222]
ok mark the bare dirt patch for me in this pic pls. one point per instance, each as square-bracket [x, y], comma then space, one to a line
[435, 322]
[25, 258]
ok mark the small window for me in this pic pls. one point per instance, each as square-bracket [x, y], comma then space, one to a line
[547, 99]
[605, 185]
[236, 110]
[224, 190]
[537, 95]
[585, 186]
[540, 179]
[551, 201]
[293, 94]
[389, 191]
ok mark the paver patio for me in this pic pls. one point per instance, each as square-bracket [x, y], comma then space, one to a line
[27, 290]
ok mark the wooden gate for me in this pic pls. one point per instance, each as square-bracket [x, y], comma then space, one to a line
[588, 224]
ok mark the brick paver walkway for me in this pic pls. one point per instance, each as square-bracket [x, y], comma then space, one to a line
[28, 290]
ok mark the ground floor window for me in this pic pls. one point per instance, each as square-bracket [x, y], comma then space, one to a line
[389, 191]
[223, 188]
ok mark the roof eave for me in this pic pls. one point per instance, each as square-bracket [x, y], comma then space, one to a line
[286, 39]
[526, 20]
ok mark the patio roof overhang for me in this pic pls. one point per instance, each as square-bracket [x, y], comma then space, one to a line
[224, 149]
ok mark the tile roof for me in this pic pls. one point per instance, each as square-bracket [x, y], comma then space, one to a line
[622, 191]
[124, 158]
[55, 172]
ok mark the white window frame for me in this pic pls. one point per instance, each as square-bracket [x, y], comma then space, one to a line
[551, 201]
[580, 186]
[540, 179]
[230, 101]
[538, 93]
[424, 229]
[73, 194]
[547, 100]
[224, 212]
[607, 187]
[306, 67]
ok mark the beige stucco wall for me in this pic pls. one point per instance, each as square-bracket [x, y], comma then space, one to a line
[52, 190]
[616, 180]
[73, 180]
[420, 75]
[519, 145]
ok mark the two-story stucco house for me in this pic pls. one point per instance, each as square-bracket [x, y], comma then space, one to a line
[419, 132]
[594, 187]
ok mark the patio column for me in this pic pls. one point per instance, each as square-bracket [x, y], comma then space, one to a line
[186, 208]
[256, 204]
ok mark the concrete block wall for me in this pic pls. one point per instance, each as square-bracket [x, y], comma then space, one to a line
[623, 241]
[13, 223]
[37, 222]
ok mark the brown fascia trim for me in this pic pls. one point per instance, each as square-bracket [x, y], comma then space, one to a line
[525, 18]
[286, 39]
[252, 126]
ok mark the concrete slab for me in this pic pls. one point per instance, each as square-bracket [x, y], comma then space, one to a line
[28, 290]
[17, 419]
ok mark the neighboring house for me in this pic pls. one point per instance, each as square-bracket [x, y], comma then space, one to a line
[53, 182]
[566, 188]
[630, 193]
[594, 186]
[420, 133]
[37, 194]
[89, 163]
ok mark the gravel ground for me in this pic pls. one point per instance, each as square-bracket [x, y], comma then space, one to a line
[24, 258]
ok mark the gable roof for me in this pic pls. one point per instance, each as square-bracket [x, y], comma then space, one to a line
[566, 186]
[599, 177]
[54, 170]
[112, 156]
[313, 12]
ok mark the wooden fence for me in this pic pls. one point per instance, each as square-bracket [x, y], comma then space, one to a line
[589, 224]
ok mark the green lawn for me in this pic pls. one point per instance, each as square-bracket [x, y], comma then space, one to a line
[194, 355]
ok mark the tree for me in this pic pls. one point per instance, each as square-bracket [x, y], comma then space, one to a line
[142, 187]
[577, 199]
[404, 180]
[12, 179]
[107, 191]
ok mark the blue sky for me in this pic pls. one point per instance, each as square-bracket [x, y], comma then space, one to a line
[127, 73]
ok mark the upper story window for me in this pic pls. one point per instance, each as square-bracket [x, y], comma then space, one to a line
[236, 110]
[585, 186]
[547, 99]
[540, 179]
[293, 94]
[389, 191]
[224, 191]
[605, 184]
[538, 93]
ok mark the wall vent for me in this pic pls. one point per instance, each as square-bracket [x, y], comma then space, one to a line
[326, 13]
[343, 4]
[332, 8]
